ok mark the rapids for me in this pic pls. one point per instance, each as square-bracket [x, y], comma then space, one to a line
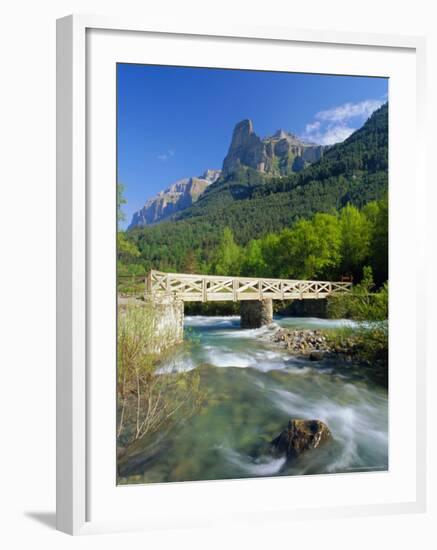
[253, 388]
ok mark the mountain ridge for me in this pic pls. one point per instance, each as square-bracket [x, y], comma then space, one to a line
[179, 195]
[352, 172]
[248, 155]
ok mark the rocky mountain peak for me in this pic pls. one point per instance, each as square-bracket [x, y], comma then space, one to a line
[280, 134]
[242, 133]
[246, 149]
[279, 154]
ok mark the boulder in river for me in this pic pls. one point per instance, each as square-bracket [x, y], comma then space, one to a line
[300, 436]
[316, 356]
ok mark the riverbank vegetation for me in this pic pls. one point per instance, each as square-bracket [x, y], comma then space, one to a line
[149, 398]
[364, 303]
[364, 342]
[366, 345]
[367, 342]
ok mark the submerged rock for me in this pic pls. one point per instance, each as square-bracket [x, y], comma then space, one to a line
[300, 436]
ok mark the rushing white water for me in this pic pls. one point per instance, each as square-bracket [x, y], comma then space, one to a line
[264, 466]
[205, 322]
[253, 388]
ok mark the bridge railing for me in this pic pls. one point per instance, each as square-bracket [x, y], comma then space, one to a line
[206, 288]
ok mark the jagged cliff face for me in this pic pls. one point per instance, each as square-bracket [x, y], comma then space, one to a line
[280, 154]
[180, 195]
[276, 155]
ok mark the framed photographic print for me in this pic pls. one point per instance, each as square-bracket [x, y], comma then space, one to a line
[238, 329]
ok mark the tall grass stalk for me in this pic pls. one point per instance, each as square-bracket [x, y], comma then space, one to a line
[149, 398]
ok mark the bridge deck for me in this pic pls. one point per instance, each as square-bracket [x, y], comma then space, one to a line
[212, 288]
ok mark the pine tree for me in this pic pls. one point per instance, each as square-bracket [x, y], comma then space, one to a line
[190, 263]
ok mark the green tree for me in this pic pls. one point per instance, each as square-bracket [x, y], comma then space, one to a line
[126, 249]
[254, 264]
[121, 216]
[379, 242]
[371, 211]
[269, 248]
[227, 257]
[327, 244]
[355, 240]
[311, 248]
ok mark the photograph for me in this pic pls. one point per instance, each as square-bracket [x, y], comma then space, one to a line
[219, 267]
[252, 274]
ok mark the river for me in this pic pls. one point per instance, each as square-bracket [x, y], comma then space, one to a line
[254, 387]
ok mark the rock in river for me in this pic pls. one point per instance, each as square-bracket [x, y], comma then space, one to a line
[300, 436]
[316, 356]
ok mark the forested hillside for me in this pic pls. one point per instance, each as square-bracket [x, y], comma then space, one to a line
[252, 206]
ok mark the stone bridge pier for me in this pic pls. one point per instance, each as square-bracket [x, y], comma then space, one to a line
[167, 322]
[256, 313]
[168, 319]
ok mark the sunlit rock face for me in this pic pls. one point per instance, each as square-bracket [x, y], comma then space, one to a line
[279, 154]
[178, 196]
[246, 149]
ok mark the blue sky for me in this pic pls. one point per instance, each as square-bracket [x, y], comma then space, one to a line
[176, 122]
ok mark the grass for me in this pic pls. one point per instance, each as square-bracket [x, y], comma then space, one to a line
[367, 344]
[149, 398]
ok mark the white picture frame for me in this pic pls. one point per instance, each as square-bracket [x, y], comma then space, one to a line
[74, 340]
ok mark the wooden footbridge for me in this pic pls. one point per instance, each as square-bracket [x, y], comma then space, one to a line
[167, 293]
[209, 288]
